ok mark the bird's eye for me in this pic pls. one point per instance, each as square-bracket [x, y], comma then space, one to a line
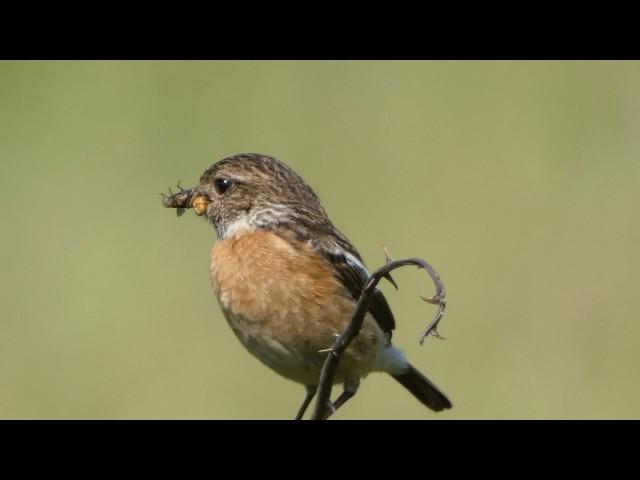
[222, 185]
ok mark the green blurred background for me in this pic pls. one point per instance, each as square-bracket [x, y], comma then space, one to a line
[518, 181]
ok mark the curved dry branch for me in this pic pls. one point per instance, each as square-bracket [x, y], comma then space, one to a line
[341, 343]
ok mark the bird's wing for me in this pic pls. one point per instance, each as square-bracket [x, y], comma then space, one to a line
[352, 273]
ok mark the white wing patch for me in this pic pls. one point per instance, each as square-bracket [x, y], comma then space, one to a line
[357, 264]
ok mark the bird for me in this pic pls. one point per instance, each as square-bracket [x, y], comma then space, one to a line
[288, 281]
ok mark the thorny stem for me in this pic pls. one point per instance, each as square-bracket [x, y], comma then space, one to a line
[342, 342]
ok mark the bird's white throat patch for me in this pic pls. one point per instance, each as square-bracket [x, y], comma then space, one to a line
[241, 226]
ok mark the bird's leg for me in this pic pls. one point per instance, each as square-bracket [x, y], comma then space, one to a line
[350, 388]
[311, 392]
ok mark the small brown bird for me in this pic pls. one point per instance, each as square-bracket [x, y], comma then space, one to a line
[288, 281]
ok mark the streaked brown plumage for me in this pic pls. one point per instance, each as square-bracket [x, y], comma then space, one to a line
[287, 280]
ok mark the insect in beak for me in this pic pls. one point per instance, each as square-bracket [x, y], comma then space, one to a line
[184, 199]
[200, 204]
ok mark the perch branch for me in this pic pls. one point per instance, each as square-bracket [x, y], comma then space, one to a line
[341, 343]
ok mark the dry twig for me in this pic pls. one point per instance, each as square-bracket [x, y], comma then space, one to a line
[323, 405]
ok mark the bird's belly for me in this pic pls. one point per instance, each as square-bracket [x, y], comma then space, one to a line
[290, 355]
[286, 307]
[300, 354]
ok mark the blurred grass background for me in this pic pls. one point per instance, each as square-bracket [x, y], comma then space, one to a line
[518, 181]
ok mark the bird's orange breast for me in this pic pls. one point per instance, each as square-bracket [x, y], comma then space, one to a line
[284, 303]
[269, 279]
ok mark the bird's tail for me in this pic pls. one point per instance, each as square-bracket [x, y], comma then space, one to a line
[423, 389]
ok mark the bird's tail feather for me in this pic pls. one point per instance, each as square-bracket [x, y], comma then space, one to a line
[423, 389]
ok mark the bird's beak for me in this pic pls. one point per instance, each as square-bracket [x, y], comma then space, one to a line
[189, 198]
